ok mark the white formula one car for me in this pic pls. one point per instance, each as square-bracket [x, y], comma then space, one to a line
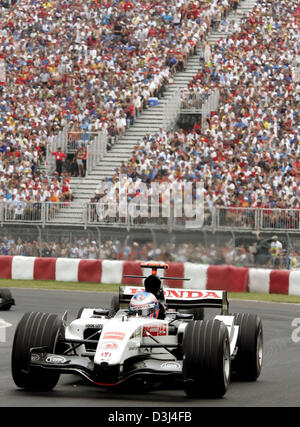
[114, 347]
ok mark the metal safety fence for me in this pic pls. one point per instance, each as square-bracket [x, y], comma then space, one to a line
[199, 103]
[96, 150]
[59, 140]
[95, 144]
[78, 139]
[149, 216]
[171, 111]
[258, 219]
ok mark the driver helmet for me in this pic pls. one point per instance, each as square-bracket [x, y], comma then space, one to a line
[144, 304]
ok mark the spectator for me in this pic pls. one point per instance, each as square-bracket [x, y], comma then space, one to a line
[46, 250]
[276, 251]
[92, 250]
[79, 159]
[74, 166]
[66, 193]
[59, 159]
[20, 209]
[74, 251]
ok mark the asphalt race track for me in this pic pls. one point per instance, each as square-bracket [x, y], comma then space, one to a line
[278, 385]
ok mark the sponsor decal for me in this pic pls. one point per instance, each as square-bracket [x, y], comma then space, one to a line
[35, 357]
[95, 326]
[141, 306]
[156, 330]
[172, 293]
[170, 365]
[105, 355]
[190, 294]
[108, 345]
[56, 359]
[114, 336]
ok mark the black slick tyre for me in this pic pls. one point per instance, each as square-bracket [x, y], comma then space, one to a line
[35, 329]
[206, 359]
[114, 306]
[6, 299]
[247, 363]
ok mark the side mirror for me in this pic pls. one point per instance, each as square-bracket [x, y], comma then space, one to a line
[101, 312]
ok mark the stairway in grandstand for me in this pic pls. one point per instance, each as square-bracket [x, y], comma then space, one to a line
[150, 120]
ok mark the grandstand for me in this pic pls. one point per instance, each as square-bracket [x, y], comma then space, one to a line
[122, 87]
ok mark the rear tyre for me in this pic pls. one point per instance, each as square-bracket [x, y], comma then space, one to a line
[34, 330]
[114, 306]
[206, 359]
[247, 363]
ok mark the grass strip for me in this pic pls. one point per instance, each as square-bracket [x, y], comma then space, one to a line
[56, 285]
[100, 287]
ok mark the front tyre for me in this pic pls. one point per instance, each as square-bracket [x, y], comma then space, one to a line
[206, 359]
[6, 299]
[34, 330]
[247, 363]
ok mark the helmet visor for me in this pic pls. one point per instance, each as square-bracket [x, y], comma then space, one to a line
[144, 312]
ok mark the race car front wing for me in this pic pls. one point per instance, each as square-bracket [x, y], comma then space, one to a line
[105, 374]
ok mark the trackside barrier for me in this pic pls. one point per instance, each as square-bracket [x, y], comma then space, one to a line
[44, 269]
[202, 276]
[176, 269]
[294, 285]
[90, 270]
[132, 267]
[218, 277]
[227, 278]
[274, 281]
[112, 271]
[67, 269]
[5, 267]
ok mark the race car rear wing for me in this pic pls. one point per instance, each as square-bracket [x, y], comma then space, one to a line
[182, 298]
[155, 266]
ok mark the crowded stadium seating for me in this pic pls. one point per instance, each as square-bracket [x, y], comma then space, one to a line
[248, 154]
[89, 65]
